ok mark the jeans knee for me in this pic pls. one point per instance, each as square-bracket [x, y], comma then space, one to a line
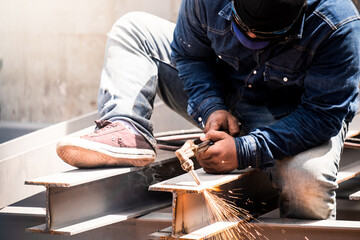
[307, 205]
[131, 21]
[307, 188]
[126, 24]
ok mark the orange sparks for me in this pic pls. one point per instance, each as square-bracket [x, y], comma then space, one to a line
[223, 210]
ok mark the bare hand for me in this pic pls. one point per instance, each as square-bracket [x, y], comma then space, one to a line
[220, 157]
[222, 120]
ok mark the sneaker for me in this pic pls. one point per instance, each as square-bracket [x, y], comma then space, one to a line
[112, 145]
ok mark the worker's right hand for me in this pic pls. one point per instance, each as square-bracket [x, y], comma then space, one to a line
[221, 157]
[222, 120]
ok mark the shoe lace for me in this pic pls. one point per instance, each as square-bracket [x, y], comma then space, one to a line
[102, 123]
[101, 126]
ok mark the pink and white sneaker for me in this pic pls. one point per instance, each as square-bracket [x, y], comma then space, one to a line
[112, 145]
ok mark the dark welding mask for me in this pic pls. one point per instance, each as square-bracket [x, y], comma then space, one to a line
[267, 20]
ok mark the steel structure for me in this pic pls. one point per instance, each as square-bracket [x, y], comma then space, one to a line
[116, 204]
[81, 200]
[191, 220]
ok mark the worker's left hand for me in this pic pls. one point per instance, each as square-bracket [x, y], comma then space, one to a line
[221, 157]
[222, 120]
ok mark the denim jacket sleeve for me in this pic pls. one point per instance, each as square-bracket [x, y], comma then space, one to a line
[330, 94]
[195, 61]
[330, 87]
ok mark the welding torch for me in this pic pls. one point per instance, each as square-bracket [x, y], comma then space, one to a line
[188, 150]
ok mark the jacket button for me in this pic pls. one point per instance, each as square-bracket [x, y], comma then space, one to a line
[220, 56]
[254, 72]
[199, 119]
[285, 79]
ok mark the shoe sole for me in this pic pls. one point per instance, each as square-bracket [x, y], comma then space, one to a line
[82, 153]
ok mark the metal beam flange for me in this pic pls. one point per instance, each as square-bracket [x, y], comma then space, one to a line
[85, 199]
[191, 216]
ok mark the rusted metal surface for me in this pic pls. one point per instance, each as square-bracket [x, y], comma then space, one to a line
[83, 199]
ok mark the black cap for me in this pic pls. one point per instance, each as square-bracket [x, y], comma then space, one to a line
[268, 15]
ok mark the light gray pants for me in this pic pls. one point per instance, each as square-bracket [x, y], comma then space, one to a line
[138, 65]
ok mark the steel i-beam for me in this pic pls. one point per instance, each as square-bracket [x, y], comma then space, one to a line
[82, 200]
[191, 218]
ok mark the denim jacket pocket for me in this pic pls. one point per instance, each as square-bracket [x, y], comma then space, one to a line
[277, 77]
[230, 60]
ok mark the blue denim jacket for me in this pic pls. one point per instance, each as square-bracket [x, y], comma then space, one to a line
[309, 81]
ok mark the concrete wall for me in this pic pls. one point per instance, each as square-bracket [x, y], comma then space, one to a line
[51, 54]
